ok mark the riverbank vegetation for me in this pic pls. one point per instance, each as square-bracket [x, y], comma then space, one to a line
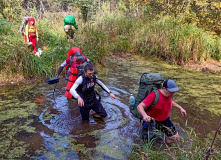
[190, 146]
[177, 31]
[185, 149]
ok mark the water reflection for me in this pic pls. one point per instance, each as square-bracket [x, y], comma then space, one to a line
[98, 138]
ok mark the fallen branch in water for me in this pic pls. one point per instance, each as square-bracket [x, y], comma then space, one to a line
[210, 150]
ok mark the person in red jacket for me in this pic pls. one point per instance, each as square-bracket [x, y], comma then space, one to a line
[74, 59]
[73, 50]
[160, 112]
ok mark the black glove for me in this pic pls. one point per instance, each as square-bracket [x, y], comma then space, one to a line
[59, 70]
[78, 67]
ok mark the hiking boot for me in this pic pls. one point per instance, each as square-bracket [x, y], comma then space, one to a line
[95, 115]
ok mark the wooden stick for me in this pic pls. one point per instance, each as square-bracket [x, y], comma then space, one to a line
[210, 150]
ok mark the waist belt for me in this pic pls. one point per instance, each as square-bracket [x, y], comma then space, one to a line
[89, 100]
[32, 34]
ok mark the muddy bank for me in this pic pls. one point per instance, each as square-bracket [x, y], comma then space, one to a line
[211, 66]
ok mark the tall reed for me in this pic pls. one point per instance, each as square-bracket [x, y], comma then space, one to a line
[109, 32]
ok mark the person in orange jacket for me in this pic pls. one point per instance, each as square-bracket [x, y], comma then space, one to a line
[31, 33]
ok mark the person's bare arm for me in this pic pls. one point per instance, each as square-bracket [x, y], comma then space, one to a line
[141, 109]
[183, 111]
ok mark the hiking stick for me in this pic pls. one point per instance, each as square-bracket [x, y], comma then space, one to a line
[210, 150]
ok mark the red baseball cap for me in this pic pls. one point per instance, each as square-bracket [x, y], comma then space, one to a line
[31, 19]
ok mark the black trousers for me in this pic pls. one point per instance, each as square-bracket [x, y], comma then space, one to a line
[96, 106]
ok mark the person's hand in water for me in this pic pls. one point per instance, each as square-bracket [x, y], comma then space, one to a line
[112, 96]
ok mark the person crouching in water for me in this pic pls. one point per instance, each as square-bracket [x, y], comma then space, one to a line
[31, 33]
[83, 91]
[160, 112]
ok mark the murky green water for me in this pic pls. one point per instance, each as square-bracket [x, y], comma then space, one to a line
[34, 125]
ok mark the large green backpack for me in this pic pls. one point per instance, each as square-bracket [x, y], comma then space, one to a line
[68, 20]
[148, 82]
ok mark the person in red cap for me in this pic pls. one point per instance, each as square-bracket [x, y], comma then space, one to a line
[160, 112]
[31, 33]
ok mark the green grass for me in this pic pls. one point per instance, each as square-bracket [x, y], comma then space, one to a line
[186, 149]
[163, 37]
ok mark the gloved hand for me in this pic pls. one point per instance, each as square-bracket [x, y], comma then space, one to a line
[78, 67]
[37, 38]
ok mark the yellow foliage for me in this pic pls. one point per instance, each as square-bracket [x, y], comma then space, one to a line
[205, 13]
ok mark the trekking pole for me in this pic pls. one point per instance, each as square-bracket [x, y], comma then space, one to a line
[54, 91]
[210, 150]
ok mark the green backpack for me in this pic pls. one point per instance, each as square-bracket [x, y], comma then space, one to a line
[68, 20]
[148, 82]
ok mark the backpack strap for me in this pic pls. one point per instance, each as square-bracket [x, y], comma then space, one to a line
[70, 62]
[94, 79]
[155, 100]
[83, 59]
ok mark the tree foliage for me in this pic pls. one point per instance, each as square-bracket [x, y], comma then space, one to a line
[203, 13]
[10, 9]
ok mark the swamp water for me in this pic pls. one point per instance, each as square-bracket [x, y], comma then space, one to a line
[37, 124]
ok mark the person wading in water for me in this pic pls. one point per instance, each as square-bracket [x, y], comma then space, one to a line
[83, 91]
[160, 112]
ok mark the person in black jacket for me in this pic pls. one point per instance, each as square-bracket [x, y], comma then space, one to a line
[83, 91]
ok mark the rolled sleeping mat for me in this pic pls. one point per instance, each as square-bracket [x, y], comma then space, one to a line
[72, 78]
[53, 80]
